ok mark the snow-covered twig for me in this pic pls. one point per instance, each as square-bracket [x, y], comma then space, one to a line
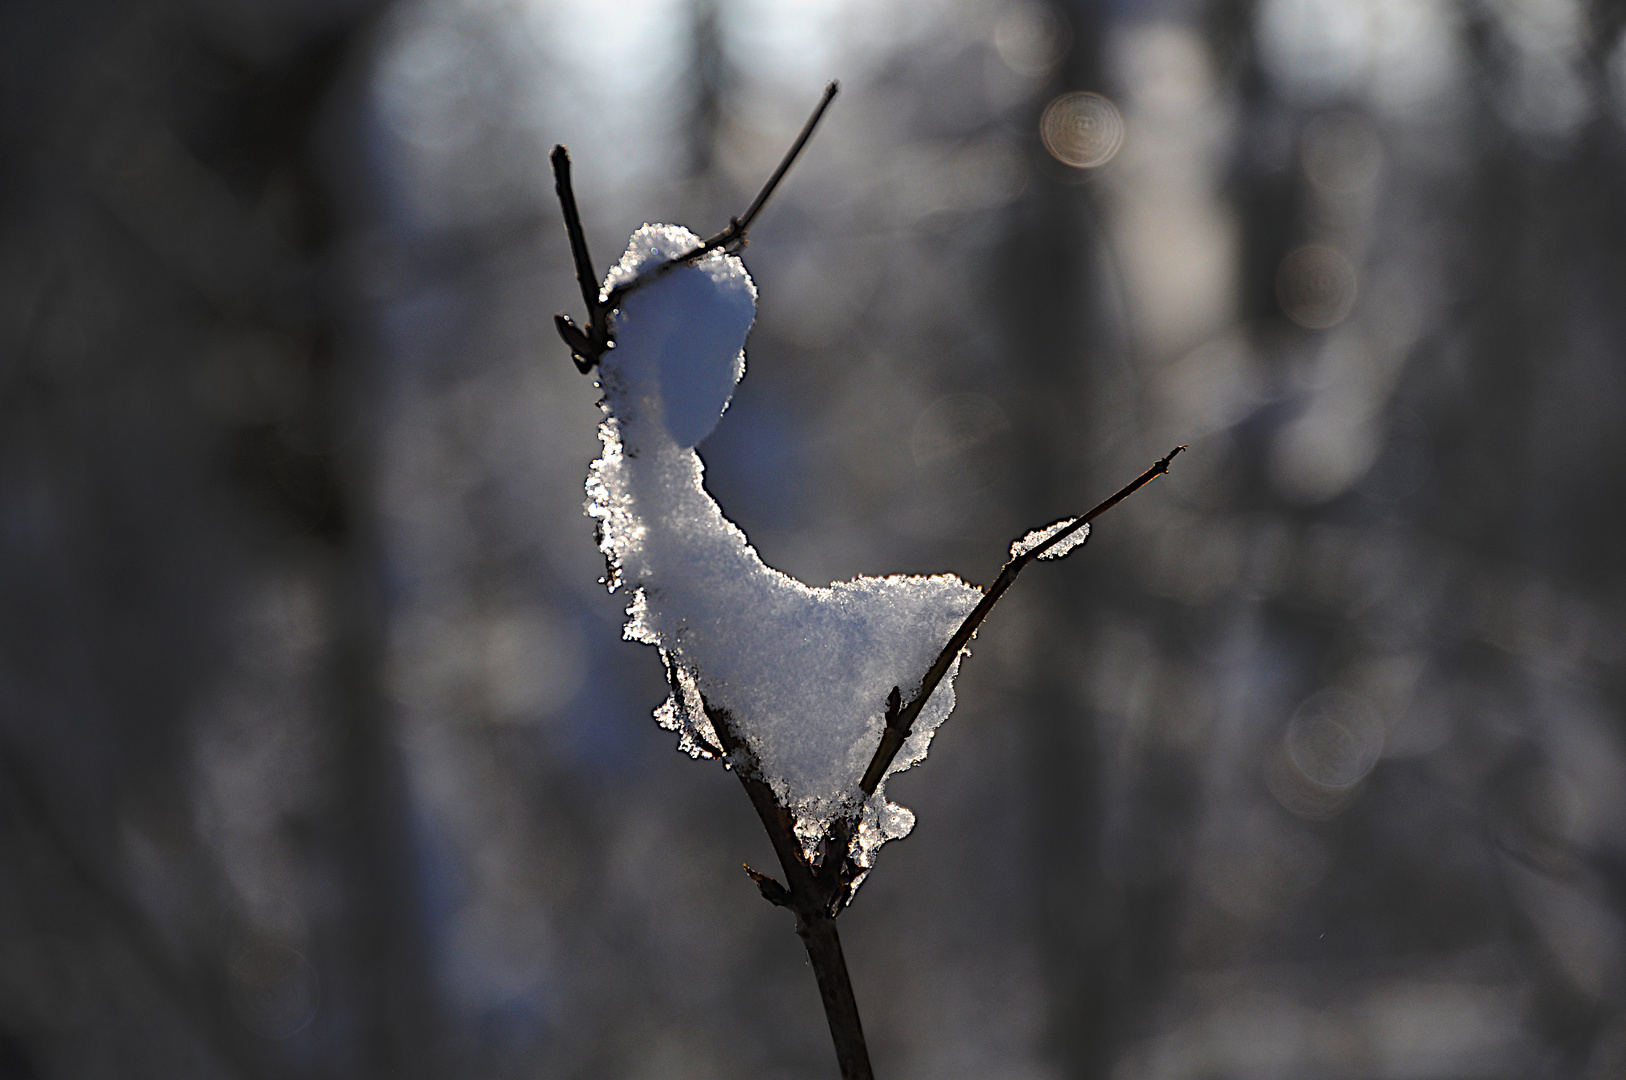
[817, 893]
[588, 345]
[778, 678]
[1044, 544]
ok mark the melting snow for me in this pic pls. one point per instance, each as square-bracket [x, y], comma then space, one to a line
[804, 672]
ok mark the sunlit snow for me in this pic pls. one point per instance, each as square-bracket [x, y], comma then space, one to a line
[1056, 550]
[804, 672]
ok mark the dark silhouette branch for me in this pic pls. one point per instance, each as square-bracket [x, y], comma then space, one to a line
[836, 991]
[795, 151]
[812, 895]
[585, 347]
[589, 344]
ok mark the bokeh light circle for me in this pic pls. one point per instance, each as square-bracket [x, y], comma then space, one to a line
[1083, 130]
[1316, 286]
[274, 990]
[1031, 38]
[1334, 738]
[1342, 154]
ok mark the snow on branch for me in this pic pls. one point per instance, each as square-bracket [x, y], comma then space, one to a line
[812, 695]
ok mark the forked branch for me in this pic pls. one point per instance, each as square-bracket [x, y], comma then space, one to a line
[589, 343]
[817, 891]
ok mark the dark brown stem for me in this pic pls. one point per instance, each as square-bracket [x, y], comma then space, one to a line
[586, 343]
[836, 991]
[899, 723]
[795, 151]
[813, 896]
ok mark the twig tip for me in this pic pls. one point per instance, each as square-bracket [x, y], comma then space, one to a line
[1163, 466]
[773, 892]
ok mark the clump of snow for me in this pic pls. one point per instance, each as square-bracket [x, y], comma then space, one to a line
[680, 342]
[1060, 548]
[803, 672]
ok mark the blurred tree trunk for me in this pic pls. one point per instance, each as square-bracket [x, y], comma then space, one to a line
[1053, 328]
[177, 434]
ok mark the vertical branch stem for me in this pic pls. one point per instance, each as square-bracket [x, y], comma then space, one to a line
[809, 897]
[836, 991]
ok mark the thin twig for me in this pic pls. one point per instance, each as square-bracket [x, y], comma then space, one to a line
[589, 343]
[795, 151]
[900, 722]
[573, 228]
[732, 238]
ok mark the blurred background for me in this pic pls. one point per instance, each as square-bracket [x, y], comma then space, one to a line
[321, 754]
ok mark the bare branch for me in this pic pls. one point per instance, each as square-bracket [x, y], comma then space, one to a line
[585, 346]
[836, 992]
[744, 221]
[573, 227]
[773, 892]
[899, 723]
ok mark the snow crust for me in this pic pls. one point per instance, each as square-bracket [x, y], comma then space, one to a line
[803, 672]
[1039, 536]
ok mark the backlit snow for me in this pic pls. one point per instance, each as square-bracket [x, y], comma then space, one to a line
[804, 672]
